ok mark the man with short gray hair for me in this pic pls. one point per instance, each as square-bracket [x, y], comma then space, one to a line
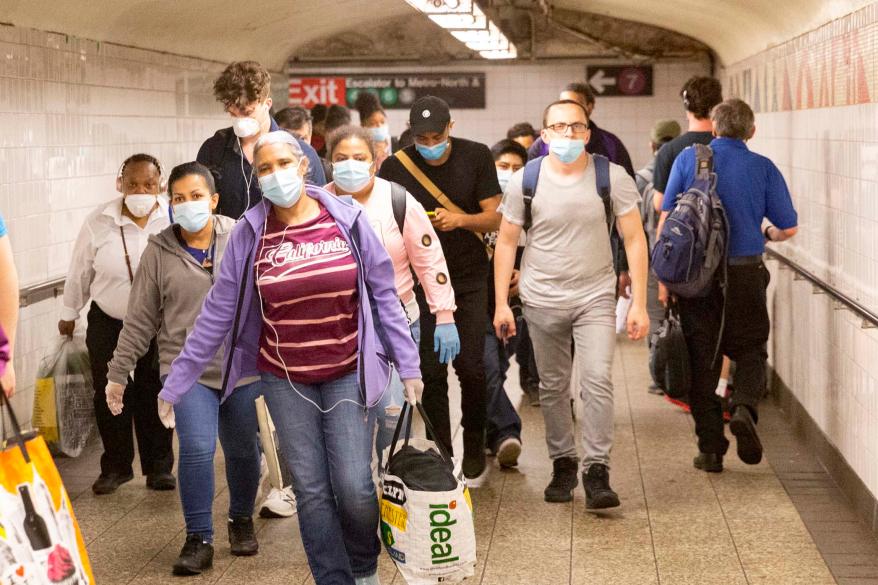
[751, 189]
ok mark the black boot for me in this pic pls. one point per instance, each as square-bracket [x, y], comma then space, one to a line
[242, 537]
[474, 462]
[743, 427]
[712, 462]
[196, 556]
[564, 480]
[598, 493]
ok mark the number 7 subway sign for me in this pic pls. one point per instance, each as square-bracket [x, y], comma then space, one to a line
[620, 80]
[310, 91]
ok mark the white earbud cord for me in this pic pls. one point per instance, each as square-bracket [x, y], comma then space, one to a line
[277, 336]
[247, 180]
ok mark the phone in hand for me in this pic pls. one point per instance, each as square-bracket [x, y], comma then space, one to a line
[431, 214]
[504, 333]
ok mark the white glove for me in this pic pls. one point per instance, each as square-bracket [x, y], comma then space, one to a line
[166, 414]
[114, 393]
[414, 389]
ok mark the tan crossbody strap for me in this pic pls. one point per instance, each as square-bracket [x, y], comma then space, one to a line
[426, 183]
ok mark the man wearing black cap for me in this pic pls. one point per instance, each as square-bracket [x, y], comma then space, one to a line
[456, 180]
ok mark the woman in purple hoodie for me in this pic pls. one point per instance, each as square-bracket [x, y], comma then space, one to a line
[306, 299]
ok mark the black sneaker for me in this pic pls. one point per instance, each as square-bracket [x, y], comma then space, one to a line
[474, 460]
[161, 482]
[564, 480]
[196, 556]
[531, 390]
[744, 429]
[711, 462]
[242, 537]
[598, 493]
[108, 483]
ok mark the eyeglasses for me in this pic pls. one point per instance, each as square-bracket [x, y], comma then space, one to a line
[561, 127]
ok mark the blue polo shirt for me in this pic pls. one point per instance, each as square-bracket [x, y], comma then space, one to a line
[2, 227]
[222, 155]
[750, 187]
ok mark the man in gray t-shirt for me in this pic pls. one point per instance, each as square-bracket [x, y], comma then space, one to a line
[567, 288]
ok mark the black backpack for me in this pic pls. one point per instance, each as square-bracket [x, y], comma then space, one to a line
[397, 201]
[602, 179]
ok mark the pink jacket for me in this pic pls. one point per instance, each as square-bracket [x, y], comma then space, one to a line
[417, 248]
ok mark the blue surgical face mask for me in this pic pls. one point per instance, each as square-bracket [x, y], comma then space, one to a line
[192, 216]
[503, 176]
[567, 149]
[352, 175]
[283, 188]
[380, 133]
[434, 152]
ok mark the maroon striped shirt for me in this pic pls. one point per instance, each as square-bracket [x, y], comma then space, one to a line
[308, 281]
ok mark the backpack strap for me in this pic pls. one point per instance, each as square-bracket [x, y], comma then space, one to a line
[529, 188]
[397, 202]
[602, 180]
[703, 162]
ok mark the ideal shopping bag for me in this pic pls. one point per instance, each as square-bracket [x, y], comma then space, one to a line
[426, 511]
[64, 398]
[40, 541]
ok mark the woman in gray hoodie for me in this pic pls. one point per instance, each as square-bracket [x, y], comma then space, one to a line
[176, 272]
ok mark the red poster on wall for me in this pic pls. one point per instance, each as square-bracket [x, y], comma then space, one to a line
[310, 91]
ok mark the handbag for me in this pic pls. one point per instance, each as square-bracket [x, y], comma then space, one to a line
[489, 240]
[426, 511]
[40, 540]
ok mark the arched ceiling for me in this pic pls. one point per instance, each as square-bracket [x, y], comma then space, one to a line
[272, 30]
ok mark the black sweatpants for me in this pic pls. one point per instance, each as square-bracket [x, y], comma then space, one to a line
[471, 319]
[744, 340]
[140, 405]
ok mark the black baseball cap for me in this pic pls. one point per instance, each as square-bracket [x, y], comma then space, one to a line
[429, 114]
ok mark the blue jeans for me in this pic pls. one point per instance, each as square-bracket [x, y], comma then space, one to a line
[393, 397]
[503, 422]
[329, 454]
[200, 418]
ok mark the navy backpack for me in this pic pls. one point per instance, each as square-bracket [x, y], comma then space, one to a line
[694, 240]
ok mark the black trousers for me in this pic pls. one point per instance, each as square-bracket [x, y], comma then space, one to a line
[471, 320]
[744, 340]
[140, 406]
[524, 354]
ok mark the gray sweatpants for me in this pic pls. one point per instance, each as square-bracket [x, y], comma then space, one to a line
[592, 328]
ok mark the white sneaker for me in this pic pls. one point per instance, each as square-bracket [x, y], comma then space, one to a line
[278, 504]
[370, 580]
[508, 452]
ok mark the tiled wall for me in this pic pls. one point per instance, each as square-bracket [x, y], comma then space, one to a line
[520, 92]
[816, 99]
[70, 112]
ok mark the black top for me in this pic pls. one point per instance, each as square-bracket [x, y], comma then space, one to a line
[664, 160]
[467, 177]
[221, 153]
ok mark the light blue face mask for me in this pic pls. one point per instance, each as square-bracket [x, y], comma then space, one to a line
[434, 152]
[567, 149]
[283, 188]
[380, 133]
[503, 176]
[192, 216]
[352, 175]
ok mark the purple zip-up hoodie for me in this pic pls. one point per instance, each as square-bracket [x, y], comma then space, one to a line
[383, 335]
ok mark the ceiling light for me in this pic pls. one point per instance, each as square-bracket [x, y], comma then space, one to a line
[474, 20]
[509, 53]
[442, 6]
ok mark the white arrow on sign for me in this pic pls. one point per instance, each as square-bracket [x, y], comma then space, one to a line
[600, 82]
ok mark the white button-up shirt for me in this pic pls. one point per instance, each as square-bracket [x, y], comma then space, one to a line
[97, 268]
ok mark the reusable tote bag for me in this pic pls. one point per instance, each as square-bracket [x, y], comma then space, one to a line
[426, 511]
[40, 541]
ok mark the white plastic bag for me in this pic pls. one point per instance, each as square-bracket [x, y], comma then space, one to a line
[429, 534]
[64, 398]
[623, 305]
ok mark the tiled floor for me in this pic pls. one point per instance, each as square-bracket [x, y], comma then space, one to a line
[676, 525]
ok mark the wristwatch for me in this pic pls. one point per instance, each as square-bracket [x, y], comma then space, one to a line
[765, 233]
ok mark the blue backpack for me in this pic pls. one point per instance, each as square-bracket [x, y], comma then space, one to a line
[602, 179]
[694, 240]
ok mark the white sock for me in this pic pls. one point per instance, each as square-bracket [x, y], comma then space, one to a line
[721, 387]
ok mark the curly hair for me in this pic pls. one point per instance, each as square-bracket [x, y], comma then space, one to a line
[242, 83]
[701, 94]
[346, 132]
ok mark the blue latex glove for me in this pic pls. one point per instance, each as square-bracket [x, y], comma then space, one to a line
[446, 342]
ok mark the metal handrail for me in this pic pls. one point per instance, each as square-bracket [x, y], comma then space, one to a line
[870, 317]
[33, 294]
